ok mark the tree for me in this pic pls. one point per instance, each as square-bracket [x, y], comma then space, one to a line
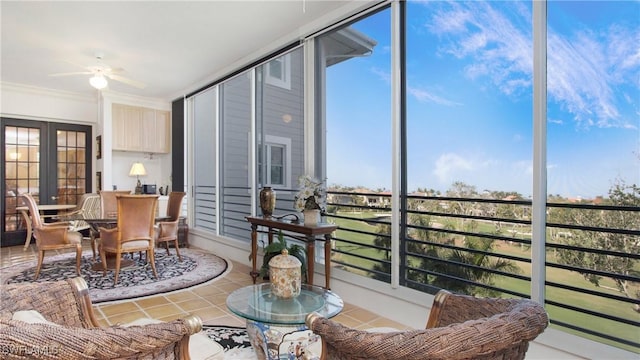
[620, 195]
[383, 240]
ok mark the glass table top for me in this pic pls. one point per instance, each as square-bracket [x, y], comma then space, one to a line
[258, 303]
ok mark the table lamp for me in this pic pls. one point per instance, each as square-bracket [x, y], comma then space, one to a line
[137, 170]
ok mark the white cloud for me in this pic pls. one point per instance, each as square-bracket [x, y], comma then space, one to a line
[449, 165]
[586, 67]
[383, 75]
[426, 96]
[483, 172]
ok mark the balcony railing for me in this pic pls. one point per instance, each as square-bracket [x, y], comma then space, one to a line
[482, 246]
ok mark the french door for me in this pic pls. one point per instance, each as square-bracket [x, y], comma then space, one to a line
[52, 161]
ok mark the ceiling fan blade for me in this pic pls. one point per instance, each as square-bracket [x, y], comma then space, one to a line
[127, 81]
[72, 73]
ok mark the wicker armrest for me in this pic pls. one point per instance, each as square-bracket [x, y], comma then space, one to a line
[43, 341]
[62, 302]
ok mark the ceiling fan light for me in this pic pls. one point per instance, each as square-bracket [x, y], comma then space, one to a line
[98, 82]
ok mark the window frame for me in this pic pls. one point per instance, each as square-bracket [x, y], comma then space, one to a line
[285, 144]
[283, 81]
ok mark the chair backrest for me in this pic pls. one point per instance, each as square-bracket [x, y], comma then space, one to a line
[34, 212]
[90, 209]
[108, 202]
[174, 206]
[136, 216]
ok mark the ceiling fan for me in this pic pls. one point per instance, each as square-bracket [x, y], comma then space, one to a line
[100, 72]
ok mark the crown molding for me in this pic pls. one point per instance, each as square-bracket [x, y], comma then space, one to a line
[35, 90]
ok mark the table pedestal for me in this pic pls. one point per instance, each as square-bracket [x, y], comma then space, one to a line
[275, 342]
[111, 263]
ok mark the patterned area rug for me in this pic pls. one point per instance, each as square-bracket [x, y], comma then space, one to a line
[234, 340]
[137, 280]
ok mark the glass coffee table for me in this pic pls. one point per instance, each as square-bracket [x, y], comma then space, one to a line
[276, 326]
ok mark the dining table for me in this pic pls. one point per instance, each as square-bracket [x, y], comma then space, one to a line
[46, 211]
[110, 223]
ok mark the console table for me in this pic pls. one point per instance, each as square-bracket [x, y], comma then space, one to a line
[309, 236]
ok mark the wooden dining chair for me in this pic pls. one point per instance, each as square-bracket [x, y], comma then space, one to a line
[108, 209]
[167, 231]
[51, 236]
[109, 204]
[134, 231]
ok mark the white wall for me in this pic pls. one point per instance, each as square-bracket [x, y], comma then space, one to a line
[158, 169]
[31, 103]
[25, 102]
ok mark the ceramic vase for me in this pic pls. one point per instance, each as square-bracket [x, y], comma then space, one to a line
[311, 217]
[285, 274]
[267, 201]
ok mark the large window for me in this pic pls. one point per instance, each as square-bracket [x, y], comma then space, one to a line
[230, 120]
[203, 113]
[355, 66]
[280, 127]
[469, 136]
[593, 169]
[235, 180]
[444, 168]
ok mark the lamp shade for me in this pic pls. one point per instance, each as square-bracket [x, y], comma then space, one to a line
[98, 81]
[137, 169]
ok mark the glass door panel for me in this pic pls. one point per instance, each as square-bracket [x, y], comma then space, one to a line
[71, 166]
[49, 160]
[22, 164]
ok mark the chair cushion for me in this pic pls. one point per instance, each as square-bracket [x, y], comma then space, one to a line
[200, 346]
[74, 237]
[31, 317]
[135, 244]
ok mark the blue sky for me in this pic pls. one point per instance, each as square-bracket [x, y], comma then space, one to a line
[469, 105]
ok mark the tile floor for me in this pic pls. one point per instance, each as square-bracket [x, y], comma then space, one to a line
[206, 301]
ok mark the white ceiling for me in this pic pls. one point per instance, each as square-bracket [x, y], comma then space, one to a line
[172, 47]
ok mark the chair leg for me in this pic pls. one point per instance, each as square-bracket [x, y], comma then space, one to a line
[40, 258]
[78, 258]
[152, 258]
[117, 270]
[93, 240]
[166, 246]
[177, 250]
[103, 258]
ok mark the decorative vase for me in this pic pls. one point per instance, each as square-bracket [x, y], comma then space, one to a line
[311, 217]
[285, 275]
[267, 201]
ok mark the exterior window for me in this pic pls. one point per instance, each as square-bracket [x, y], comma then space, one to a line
[278, 165]
[278, 72]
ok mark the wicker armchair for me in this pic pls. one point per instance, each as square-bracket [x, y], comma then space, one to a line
[76, 333]
[459, 327]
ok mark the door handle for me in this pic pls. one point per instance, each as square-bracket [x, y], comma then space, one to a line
[54, 198]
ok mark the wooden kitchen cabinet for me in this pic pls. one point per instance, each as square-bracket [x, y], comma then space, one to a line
[140, 129]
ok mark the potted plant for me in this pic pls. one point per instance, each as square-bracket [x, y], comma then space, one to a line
[276, 247]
